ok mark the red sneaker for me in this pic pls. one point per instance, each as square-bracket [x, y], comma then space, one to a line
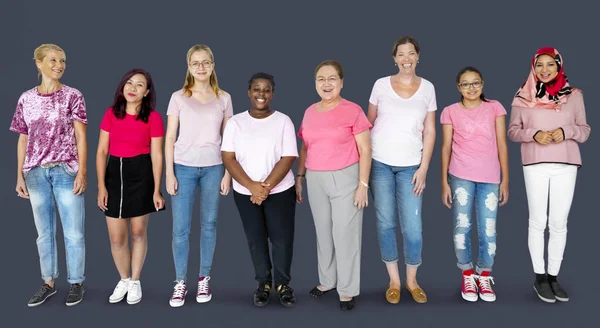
[469, 287]
[484, 284]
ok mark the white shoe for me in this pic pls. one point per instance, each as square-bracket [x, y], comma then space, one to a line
[179, 292]
[134, 292]
[120, 291]
[204, 294]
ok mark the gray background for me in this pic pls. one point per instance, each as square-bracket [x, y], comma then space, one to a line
[103, 40]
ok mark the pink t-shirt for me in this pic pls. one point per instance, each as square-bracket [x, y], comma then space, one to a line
[329, 136]
[47, 120]
[199, 141]
[474, 146]
[129, 136]
[259, 144]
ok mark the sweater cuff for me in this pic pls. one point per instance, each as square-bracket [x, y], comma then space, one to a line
[538, 131]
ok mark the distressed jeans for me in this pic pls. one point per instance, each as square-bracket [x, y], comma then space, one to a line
[51, 189]
[484, 196]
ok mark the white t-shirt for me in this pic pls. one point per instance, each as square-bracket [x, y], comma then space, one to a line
[259, 144]
[397, 134]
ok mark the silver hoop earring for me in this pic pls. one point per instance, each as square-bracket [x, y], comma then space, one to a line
[417, 61]
[395, 64]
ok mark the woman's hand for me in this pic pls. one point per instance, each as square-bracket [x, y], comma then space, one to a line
[447, 195]
[299, 198]
[171, 184]
[22, 187]
[503, 193]
[79, 184]
[225, 184]
[102, 198]
[259, 192]
[419, 181]
[361, 197]
[159, 201]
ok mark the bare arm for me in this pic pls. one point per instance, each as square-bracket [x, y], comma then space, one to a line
[21, 149]
[372, 113]
[280, 170]
[363, 143]
[227, 175]
[80, 136]
[235, 169]
[428, 139]
[503, 157]
[447, 135]
[170, 138]
[101, 156]
[156, 154]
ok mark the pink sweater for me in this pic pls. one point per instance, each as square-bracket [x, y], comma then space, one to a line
[525, 122]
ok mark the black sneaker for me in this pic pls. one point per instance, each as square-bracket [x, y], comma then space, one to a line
[544, 291]
[41, 295]
[286, 295]
[75, 294]
[559, 292]
[262, 295]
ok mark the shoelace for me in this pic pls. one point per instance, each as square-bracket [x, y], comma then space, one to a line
[179, 290]
[75, 289]
[469, 282]
[121, 285]
[484, 283]
[133, 287]
[43, 291]
[203, 286]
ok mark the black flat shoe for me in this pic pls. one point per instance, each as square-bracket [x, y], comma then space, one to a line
[286, 296]
[316, 292]
[262, 295]
[347, 305]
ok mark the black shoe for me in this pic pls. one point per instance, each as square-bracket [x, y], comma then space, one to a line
[316, 292]
[41, 295]
[544, 291]
[286, 295]
[347, 305]
[559, 292]
[262, 295]
[75, 294]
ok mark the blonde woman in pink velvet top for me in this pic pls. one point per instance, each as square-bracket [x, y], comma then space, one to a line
[548, 119]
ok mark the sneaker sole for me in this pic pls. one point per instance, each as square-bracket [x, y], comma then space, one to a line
[44, 300]
[134, 301]
[263, 304]
[287, 305]
[547, 300]
[561, 299]
[178, 304]
[204, 299]
[117, 300]
[469, 298]
[487, 298]
[75, 303]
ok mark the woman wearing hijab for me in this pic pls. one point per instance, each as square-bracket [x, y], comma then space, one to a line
[548, 119]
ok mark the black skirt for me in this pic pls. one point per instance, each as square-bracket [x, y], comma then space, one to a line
[130, 185]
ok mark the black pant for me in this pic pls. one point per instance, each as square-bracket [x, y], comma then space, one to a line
[273, 220]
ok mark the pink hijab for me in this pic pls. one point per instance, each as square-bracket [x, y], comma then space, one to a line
[536, 94]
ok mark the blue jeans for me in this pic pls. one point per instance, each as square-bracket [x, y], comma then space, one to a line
[208, 179]
[391, 188]
[49, 189]
[484, 196]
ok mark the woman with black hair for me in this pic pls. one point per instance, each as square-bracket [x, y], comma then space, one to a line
[258, 149]
[132, 134]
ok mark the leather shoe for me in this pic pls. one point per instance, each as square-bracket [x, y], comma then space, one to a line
[286, 295]
[262, 295]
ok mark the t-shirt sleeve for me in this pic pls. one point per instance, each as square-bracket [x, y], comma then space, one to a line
[228, 143]
[374, 98]
[432, 106]
[107, 120]
[173, 107]
[157, 127]
[228, 110]
[288, 143]
[499, 110]
[445, 118]
[361, 123]
[78, 110]
[18, 123]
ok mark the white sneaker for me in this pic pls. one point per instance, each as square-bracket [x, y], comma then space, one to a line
[134, 293]
[120, 291]
[179, 292]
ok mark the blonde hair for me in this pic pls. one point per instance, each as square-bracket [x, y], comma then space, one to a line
[40, 53]
[189, 78]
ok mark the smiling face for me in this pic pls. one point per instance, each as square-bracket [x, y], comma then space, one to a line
[201, 65]
[406, 58]
[470, 85]
[260, 94]
[53, 65]
[546, 68]
[328, 83]
[135, 89]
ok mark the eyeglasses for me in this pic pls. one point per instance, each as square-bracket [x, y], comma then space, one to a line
[467, 85]
[331, 79]
[205, 64]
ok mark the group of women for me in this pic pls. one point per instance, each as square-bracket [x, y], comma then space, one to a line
[344, 155]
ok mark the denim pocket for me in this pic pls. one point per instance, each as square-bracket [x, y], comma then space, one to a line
[68, 170]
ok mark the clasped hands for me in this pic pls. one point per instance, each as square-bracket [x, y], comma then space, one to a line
[546, 137]
[260, 191]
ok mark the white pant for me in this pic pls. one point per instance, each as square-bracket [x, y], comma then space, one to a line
[558, 182]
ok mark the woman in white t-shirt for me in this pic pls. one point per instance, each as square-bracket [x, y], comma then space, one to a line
[402, 110]
[259, 148]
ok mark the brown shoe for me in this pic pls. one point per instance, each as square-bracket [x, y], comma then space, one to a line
[392, 295]
[418, 295]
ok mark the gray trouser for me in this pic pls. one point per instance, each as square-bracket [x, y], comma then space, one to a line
[338, 224]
